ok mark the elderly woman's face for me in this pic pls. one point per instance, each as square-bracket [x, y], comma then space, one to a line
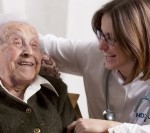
[20, 54]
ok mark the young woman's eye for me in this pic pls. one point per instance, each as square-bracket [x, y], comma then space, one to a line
[108, 37]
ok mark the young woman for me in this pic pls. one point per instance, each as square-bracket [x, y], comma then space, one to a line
[122, 27]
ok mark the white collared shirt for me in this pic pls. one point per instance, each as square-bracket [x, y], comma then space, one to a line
[34, 87]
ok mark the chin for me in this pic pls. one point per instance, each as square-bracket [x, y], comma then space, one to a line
[109, 67]
[31, 78]
[28, 79]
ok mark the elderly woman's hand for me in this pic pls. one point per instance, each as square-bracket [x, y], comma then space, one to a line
[49, 67]
[91, 126]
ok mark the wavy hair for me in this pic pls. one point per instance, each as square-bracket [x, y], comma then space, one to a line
[130, 25]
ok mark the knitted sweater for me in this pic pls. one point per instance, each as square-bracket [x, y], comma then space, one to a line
[45, 112]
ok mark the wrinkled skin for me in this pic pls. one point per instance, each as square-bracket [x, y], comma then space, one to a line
[20, 57]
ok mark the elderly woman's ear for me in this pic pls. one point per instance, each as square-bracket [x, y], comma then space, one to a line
[49, 67]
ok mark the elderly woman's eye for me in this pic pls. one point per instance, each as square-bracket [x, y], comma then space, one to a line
[34, 44]
[17, 42]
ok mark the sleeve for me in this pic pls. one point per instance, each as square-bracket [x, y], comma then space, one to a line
[70, 56]
[130, 128]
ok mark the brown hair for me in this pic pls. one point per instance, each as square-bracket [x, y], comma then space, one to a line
[130, 24]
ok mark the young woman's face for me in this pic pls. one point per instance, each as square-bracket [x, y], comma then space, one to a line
[115, 59]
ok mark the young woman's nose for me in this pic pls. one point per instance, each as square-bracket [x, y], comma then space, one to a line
[103, 45]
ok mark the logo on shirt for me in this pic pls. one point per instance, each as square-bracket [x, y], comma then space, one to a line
[141, 115]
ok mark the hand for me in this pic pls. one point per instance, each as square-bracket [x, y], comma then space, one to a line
[47, 59]
[49, 67]
[91, 126]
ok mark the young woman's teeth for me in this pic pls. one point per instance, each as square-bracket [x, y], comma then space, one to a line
[108, 56]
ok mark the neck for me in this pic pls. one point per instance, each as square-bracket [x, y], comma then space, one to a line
[123, 75]
[126, 70]
[15, 90]
[18, 94]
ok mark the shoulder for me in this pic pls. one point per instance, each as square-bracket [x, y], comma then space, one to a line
[58, 84]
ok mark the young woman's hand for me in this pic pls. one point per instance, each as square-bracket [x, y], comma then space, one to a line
[91, 126]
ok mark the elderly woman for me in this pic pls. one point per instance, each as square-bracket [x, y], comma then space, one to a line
[28, 102]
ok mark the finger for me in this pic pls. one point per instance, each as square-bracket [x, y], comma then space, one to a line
[45, 56]
[47, 60]
[71, 127]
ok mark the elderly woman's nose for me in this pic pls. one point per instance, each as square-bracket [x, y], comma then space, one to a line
[27, 49]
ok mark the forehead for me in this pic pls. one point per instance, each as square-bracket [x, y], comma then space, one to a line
[18, 27]
[106, 24]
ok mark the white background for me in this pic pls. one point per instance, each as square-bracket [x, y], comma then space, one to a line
[65, 18]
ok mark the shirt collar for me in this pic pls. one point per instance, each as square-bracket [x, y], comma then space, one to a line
[120, 80]
[36, 86]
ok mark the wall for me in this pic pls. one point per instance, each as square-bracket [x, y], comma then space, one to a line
[48, 15]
